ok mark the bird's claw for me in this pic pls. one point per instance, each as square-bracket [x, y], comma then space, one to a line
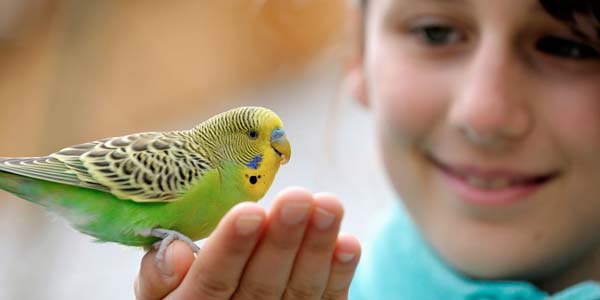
[167, 237]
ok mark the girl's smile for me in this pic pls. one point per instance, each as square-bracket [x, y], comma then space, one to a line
[491, 186]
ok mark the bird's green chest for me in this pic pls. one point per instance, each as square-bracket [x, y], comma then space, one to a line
[195, 214]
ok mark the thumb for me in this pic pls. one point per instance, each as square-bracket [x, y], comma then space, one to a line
[156, 281]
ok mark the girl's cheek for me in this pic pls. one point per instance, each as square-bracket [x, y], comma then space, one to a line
[574, 117]
[408, 102]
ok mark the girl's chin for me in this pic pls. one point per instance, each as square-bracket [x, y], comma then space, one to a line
[477, 264]
[496, 255]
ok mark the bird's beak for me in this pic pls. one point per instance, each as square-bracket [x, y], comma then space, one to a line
[281, 145]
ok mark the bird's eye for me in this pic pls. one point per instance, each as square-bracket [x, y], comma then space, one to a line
[253, 134]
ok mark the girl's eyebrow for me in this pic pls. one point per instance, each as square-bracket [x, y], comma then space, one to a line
[411, 3]
[458, 2]
[461, 2]
[534, 6]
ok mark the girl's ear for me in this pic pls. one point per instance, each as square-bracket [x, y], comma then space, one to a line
[355, 73]
[356, 82]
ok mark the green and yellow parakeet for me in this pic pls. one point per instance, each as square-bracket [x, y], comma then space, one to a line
[154, 187]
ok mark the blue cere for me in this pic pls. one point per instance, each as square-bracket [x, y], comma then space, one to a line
[255, 162]
[277, 134]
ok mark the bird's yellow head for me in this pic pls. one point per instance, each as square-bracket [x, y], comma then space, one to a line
[253, 140]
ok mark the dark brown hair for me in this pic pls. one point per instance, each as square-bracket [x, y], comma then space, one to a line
[567, 9]
[564, 10]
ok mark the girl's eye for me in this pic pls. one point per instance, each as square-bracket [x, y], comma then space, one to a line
[253, 134]
[437, 35]
[561, 47]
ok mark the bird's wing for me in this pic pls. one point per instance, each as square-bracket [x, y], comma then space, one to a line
[144, 167]
[52, 169]
[46, 168]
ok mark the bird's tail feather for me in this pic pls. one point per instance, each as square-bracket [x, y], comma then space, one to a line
[24, 188]
[63, 200]
[13, 184]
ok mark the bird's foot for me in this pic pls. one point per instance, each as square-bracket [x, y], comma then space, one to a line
[167, 237]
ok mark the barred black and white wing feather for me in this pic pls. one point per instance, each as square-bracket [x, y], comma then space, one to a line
[144, 167]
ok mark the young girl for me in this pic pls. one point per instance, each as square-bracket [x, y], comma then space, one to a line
[488, 121]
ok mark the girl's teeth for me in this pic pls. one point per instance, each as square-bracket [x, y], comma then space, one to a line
[476, 182]
[488, 184]
[499, 183]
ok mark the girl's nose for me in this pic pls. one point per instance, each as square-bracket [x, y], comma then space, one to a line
[490, 105]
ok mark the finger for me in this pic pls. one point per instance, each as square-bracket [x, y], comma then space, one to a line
[311, 268]
[269, 268]
[218, 268]
[156, 281]
[343, 266]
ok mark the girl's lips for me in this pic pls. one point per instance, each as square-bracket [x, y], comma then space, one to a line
[492, 186]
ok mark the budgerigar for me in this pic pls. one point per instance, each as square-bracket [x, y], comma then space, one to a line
[151, 188]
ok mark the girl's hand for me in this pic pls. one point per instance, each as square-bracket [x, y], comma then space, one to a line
[293, 252]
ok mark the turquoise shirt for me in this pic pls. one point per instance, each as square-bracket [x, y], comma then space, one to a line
[398, 264]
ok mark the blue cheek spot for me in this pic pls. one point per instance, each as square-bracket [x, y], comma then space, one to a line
[255, 162]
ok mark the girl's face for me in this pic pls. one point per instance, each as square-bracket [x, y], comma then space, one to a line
[488, 119]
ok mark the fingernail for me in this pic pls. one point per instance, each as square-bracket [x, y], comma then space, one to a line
[345, 257]
[323, 219]
[248, 224]
[294, 213]
[167, 264]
